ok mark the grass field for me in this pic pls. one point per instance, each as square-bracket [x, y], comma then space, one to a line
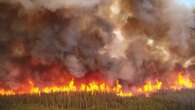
[183, 100]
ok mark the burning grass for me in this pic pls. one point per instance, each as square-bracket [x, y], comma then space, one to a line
[63, 55]
[182, 81]
[164, 100]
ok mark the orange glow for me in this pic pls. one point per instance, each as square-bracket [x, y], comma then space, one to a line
[182, 81]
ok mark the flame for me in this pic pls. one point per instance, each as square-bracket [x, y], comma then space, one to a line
[183, 81]
[151, 86]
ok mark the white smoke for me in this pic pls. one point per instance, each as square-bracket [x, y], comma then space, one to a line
[58, 4]
[180, 19]
[74, 66]
[175, 18]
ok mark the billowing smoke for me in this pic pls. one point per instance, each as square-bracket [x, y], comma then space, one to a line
[129, 40]
[54, 5]
[180, 21]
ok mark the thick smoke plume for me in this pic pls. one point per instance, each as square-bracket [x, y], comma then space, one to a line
[129, 40]
[53, 5]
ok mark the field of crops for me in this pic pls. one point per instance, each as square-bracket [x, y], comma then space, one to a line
[183, 100]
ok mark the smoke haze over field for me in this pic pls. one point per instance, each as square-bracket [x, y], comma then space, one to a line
[53, 5]
[130, 40]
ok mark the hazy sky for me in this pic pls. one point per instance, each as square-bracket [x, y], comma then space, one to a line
[188, 3]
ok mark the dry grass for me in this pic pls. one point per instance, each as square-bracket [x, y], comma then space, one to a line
[183, 100]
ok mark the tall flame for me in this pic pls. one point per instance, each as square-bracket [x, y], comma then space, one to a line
[151, 86]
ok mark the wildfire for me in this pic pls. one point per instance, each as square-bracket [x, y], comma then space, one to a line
[47, 40]
[182, 81]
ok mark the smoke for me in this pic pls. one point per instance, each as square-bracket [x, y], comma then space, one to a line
[130, 40]
[59, 4]
[173, 17]
[168, 25]
[180, 19]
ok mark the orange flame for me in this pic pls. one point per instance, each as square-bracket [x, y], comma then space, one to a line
[182, 81]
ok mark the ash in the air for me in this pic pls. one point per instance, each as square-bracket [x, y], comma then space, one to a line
[129, 40]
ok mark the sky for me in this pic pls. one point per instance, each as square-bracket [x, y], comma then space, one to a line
[187, 3]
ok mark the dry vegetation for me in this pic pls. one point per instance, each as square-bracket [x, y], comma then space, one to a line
[183, 100]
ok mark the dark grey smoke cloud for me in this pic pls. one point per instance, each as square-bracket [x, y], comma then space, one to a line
[141, 39]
